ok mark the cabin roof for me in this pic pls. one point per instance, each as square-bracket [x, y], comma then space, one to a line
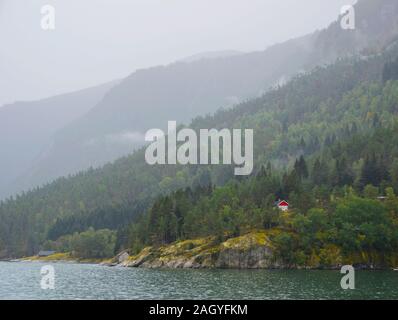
[283, 203]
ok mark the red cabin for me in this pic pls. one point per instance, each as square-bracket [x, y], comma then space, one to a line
[283, 205]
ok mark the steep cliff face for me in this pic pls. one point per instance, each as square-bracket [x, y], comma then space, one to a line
[251, 251]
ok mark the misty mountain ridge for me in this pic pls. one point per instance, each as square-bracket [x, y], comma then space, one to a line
[27, 128]
[150, 97]
[210, 55]
[180, 91]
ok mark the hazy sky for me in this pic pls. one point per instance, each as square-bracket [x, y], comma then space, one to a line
[100, 40]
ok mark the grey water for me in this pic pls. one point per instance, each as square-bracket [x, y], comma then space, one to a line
[22, 280]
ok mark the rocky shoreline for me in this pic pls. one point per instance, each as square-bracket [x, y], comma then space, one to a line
[249, 252]
[254, 250]
[60, 258]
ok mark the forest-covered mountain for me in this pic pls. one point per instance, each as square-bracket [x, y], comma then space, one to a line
[335, 160]
[328, 106]
[324, 141]
[182, 90]
[148, 98]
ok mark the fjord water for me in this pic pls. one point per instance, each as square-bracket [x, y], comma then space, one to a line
[21, 280]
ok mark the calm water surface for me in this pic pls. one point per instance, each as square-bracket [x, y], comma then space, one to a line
[79, 281]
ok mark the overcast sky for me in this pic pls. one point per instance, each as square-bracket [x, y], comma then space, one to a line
[96, 41]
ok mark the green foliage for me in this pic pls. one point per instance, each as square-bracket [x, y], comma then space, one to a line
[371, 192]
[364, 226]
[90, 244]
[286, 248]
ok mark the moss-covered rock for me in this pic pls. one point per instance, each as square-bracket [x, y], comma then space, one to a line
[253, 250]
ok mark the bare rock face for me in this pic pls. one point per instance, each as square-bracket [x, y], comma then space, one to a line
[122, 257]
[254, 258]
[251, 251]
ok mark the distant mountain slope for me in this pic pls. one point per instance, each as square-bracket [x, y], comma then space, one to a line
[26, 128]
[210, 55]
[149, 98]
[376, 28]
[183, 90]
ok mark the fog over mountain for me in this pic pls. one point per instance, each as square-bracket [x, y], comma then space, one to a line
[96, 41]
[193, 67]
[26, 128]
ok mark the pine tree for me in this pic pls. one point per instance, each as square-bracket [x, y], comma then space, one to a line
[301, 169]
[320, 173]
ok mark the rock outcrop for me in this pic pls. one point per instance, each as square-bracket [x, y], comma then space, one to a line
[251, 251]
